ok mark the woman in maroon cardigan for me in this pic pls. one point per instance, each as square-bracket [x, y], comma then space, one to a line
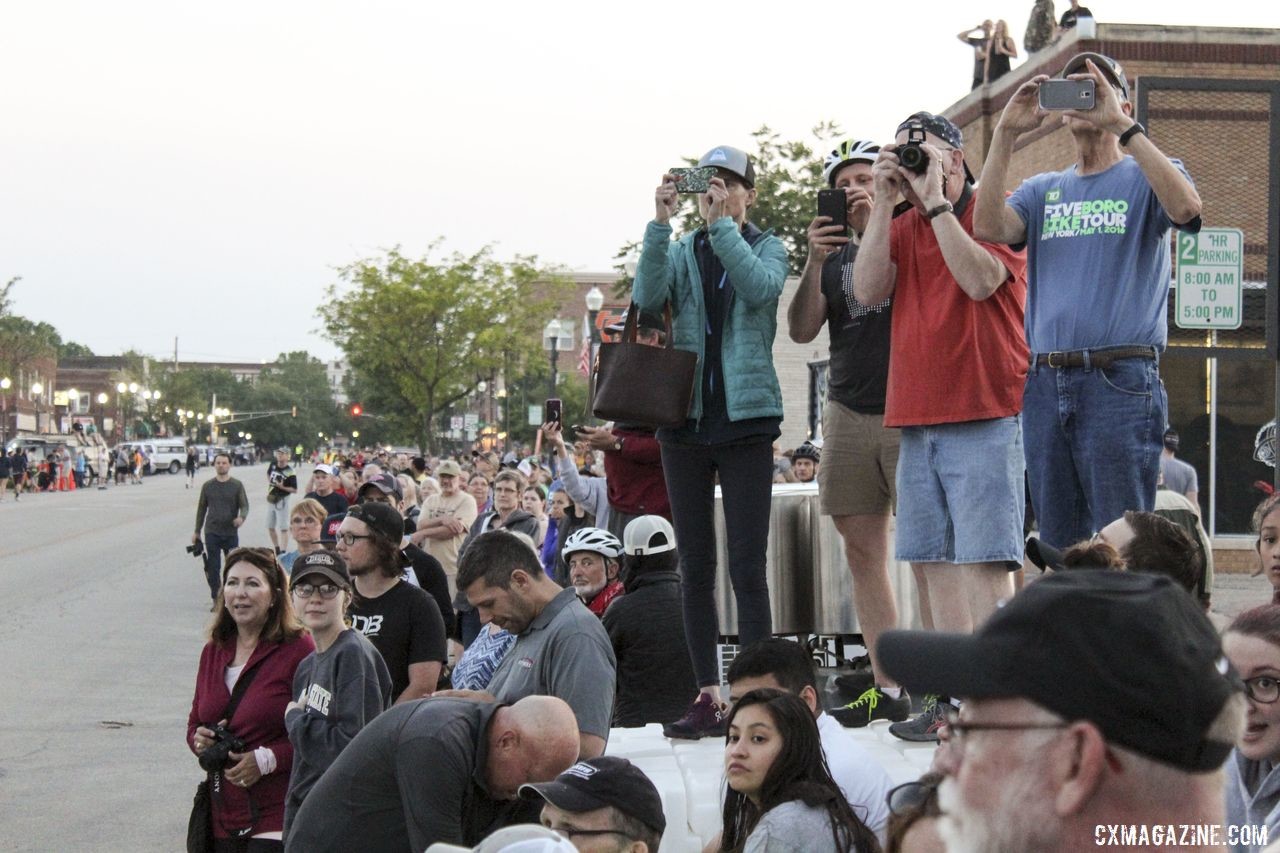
[255, 631]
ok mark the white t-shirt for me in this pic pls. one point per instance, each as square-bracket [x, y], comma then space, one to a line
[865, 783]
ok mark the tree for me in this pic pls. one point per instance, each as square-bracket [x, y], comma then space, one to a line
[293, 379]
[421, 334]
[788, 177]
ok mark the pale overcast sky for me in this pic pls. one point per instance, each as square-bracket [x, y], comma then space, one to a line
[198, 170]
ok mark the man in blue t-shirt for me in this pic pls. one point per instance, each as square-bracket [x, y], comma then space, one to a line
[1097, 238]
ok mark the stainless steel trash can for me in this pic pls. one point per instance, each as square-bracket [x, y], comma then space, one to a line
[788, 564]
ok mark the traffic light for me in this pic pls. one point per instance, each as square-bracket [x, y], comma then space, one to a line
[356, 410]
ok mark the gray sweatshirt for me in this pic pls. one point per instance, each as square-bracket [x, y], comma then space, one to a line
[590, 493]
[220, 503]
[346, 685]
[1253, 797]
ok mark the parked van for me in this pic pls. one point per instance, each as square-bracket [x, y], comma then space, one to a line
[163, 454]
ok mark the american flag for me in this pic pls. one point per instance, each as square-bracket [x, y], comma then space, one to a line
[584, 358]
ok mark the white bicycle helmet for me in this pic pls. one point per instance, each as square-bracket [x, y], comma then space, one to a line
[594, 539]
[849, 151]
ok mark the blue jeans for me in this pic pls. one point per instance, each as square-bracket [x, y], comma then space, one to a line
[216, 548]
[1093, 439]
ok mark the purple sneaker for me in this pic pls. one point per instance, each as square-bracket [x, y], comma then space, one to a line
[705, 718]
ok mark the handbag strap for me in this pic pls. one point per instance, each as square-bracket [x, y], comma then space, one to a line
[632, 325]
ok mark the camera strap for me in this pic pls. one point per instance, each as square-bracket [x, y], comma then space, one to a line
[215, 779]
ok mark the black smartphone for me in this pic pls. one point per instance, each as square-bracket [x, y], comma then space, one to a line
[696, 179]
[553, 411]
[831, 203]
[1067, 94]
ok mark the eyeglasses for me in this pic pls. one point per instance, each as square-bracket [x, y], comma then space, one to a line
[910, 796]
[327, 591]
[349, 539]
[1262, 688]
[960, 729]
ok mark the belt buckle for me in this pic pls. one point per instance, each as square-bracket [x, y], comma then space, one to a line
[1062, 360]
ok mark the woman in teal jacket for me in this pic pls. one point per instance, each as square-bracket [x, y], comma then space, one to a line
[723, 282]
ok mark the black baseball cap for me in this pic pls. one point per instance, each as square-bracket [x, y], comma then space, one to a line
[1131, 653]
[941, 127]
[1171, 438]
[600, 782]
[324, 563]
[383, 519]
[385, 483]
[1108, 66]
[329, 530]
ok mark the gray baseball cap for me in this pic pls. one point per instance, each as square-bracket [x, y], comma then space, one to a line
[731, 160]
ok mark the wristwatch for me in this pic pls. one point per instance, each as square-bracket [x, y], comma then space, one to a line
[934, 212]
[617, 445]
[1132, 132]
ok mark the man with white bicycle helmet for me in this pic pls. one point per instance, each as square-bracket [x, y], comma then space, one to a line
[860, 457]
[591, 555]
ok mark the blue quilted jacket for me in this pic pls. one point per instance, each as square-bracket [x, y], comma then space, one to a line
[669, 271]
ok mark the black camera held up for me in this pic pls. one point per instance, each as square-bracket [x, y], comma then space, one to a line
[910, 154]
[214, 758]
[196, 548]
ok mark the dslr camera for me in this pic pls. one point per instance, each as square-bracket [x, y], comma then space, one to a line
[196, 548]
[214, 758]
[910, 154]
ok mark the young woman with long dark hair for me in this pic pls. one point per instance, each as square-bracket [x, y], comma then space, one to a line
[781, 797]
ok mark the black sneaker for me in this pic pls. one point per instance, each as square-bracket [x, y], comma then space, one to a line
[705, 718]
[873, 704]
[923, 727]
[855, 683]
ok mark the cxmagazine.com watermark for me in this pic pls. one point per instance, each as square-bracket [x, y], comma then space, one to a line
[1179, 835]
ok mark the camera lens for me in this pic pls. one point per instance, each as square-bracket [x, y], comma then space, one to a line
[914, 158]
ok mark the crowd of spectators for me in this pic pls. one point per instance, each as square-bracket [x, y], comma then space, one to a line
[506, 616]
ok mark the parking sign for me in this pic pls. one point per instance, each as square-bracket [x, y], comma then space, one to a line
[1209, 283]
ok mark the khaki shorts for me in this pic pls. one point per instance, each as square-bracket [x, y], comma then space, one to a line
[859, 463]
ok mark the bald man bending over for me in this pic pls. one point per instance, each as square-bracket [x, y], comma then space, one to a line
[434, 770]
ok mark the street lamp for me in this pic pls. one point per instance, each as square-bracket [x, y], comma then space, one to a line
[5, 384]
[37, 389]
[551, 341]
[595, 301]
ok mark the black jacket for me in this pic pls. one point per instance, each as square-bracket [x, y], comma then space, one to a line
[646, 627]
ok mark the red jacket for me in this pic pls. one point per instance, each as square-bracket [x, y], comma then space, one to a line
[634, 475]
[258, 720]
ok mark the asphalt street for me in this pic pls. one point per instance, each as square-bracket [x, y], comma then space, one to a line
[106, 613]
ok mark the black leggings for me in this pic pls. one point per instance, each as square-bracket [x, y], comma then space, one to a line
[746, 478]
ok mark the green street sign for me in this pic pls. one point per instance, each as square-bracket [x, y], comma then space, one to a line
[1210, 280]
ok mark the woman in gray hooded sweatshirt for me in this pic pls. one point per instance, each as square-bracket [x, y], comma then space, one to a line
[1252, 644]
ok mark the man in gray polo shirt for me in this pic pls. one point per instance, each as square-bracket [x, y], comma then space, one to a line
[434, 770]
[561, 648]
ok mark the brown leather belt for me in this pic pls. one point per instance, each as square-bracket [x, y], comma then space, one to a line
[1097, 358]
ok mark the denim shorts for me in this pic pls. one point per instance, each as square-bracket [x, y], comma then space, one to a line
[960, 493]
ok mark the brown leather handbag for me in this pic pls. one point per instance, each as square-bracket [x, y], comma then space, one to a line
[640, 384]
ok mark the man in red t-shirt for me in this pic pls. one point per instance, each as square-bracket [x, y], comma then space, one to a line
[957, 365]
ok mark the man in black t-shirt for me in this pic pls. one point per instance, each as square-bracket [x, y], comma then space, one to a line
[1072, 16]
[859, 455]
[324, 478]
[401, 620]
[281, 482]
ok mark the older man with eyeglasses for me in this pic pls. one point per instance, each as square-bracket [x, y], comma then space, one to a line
[1093, 699]
[401, 620]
